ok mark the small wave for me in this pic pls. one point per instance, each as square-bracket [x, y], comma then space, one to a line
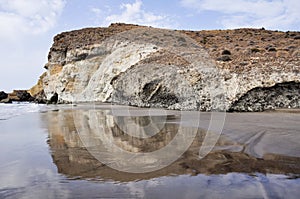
[8, 111]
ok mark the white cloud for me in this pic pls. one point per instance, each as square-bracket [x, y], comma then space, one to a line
[97, 11]
[274, 14]
[25, 39]
[135, 14]
[28, 17]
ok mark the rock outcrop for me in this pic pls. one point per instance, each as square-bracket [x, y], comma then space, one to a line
[185, 70]
[3, 95]
[16, 95]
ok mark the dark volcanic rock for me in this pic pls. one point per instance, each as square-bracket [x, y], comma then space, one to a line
[284, 95]
[20, 96]
[24, 96]
[3, 95]
[226, 52]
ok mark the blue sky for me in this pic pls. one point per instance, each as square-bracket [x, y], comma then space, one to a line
[27, 27]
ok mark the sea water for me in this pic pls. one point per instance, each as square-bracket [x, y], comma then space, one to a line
[14, 109]
[45, 153]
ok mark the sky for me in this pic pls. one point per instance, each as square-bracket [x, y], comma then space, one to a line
[28, 27]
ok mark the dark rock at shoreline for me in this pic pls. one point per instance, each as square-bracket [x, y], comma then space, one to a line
[284, 95]
[6, 101]
[3, 95]
[24, 96]
[4, 98]
[16, 95]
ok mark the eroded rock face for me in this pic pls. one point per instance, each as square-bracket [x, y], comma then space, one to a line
[151, 67]
[278, 96]
[16, 95]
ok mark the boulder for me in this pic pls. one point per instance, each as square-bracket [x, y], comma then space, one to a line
[226, 52]
[6, 101]
[3, 95]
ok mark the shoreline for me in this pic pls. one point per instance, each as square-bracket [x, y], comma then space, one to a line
[45, 154]
[37, 107]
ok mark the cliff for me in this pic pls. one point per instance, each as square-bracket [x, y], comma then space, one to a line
[240, 70]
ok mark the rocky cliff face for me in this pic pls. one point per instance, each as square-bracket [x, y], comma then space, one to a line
[186, 70]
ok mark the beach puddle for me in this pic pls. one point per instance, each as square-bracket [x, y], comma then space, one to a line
[108, 151]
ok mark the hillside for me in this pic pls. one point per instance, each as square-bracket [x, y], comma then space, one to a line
[241, 70]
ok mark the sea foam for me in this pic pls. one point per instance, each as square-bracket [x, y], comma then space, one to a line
[8, 111]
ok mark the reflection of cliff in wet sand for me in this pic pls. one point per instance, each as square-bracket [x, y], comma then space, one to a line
[247, 145]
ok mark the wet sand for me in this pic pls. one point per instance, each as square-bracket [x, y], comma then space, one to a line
[54, 154]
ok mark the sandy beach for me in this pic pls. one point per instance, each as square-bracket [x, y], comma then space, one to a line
[57, 153]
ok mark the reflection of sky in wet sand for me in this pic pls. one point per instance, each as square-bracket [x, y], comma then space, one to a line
[28, 171]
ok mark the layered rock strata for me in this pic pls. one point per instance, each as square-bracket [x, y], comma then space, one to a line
[185, 70]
